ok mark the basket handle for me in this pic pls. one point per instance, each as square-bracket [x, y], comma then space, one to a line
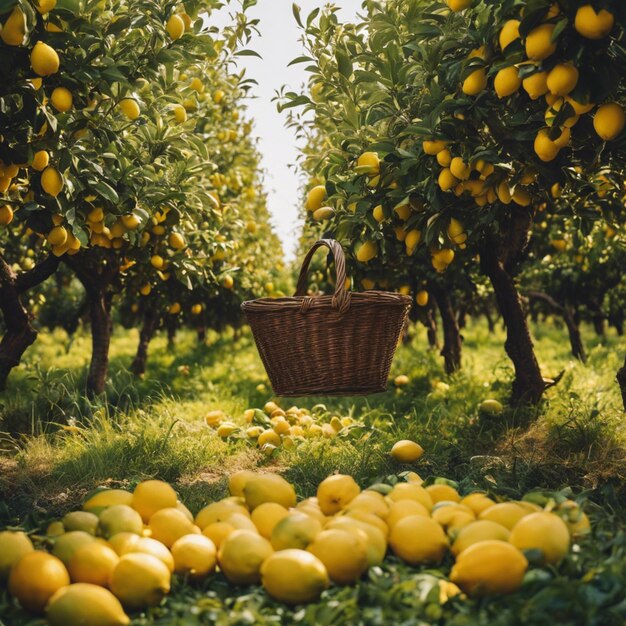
[341, 297]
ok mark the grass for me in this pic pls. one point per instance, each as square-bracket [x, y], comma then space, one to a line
[55, 446]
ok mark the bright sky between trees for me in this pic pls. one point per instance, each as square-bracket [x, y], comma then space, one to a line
[278, 44]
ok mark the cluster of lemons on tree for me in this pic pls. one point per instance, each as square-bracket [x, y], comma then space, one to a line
[120, 551]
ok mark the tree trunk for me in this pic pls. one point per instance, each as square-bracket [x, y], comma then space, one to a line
[101, 329]
[148, 329]
[451, 351]
[621, 380]
[528, 386]
[598, 324]
[201, 330]
[431, 328]
[491, 325]
[462, 317]
[170, 328]
[19, 334]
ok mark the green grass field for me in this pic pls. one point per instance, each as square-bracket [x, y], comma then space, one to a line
[56, 446]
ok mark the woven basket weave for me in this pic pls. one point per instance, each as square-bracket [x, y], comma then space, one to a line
[328, 345]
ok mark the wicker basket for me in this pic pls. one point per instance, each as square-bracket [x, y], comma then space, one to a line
[328, 345]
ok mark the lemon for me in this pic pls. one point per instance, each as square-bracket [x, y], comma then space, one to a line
[269, 488]
[147, 545]
[335, 492]
[503, 192]
[241, 521]
[401, 380]
[609, 121]
[83, 603]
[366, 251]
[266, 516]
[130, 221]
[294, 576]
[521, 196]
[323, 213]
[441, 492]
[130, 108]
[14, 29]
[542, 531]
[123, 541]
[218, 512]
[44, 60]
[446, 179]
[593, 25]
[373, 539]
[562, 79]
[507, 82]
[238, 480]
[45, 6]
[434, 146]
[378, 213]
[194, 555]
[218, 96]
[119, 518]
[458, 5]
[509, 33]
[579, 107]
[228, 282]
[545, 148]
[296, 530]
[404, 508]
[444, 158]
[417, 540]
[369, 163]
[315, 198]
[81, 520]
[475, 83]
[35, 578]
[413, 237]
[176, 241]
[406, 451]
[40, 160]
[506, 514]
[218, 531]
[536, 85]
[61, 99]
[241, 555]
[68, 543]
[140, 580]
[491, 406]
[93, 563]
[51, 181]
[13, 546]
[539, 44]
[196, 309]
[411, 491]
[175, 27]
[489, 567]
[169, 524]
[342, 553]
[460, 170]
[371, 502]
[479, 530]
[477, 502]
[6, 215]
[152, 495]
[421, 297]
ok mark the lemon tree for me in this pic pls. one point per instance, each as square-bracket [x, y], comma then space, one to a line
[103, 161]
[451, 124]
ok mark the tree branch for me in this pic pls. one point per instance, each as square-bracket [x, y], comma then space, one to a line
[38, 274]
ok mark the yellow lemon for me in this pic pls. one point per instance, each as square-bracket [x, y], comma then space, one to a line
[458, 5]
[506, 514]
[509, 33]
[266, 516]
[370, 502]
[61, 99]
[342, 553]
[593, 25]
[6, 215]
[579, 107]
[44, 60]
[539, 44]
[366, 251]
[323, 213]
[168, 525]
[130, 108]
[545, 148]
[35, 578]
[84, 603]
[507, 82]
[238, 480]
[369, 163]
[480, 530]
[68, 543]
[504, 192]
[489, 567]
[460, 170]
[241, 555]
[411, 491]
[536, 85]
[51, 181]
[373, 538]
[477, 502]
[140, 580]
[562, 79]
[294, 576]
[81, 520]
[402, 379]
[93, 563]
[446, 179]
[217, 532]
[412, 239]
[152, 495]
[336, 492]
[315, 198]
[269, 488]
[440, 493]
[119, 518]
[176, 241]
[378, 213]
[14, 29]
[45, 6]
[444, 158]
[147, 545]
[175, 27]
[40, 160]
[295, 530]
[422, 297]
[404, 508]
[609, 121]
[491, 406]
[13, 546]
[418, 540]
[218, 512]
[194, 555]
[433, 146]
[406, 451]
[542, 531]
[475, 82]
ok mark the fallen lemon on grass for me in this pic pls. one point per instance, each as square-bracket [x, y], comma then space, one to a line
[140, 580]
[83, 603]
[194, 555]
[406, 451]
[241, 555]
[542, 531]
[13, 546]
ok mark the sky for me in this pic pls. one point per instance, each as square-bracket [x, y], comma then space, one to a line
[278, 45]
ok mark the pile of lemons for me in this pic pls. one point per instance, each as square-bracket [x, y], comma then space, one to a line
[120, 551]
[272, 427]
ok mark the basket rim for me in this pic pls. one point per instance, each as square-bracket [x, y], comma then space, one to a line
[371, 297]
